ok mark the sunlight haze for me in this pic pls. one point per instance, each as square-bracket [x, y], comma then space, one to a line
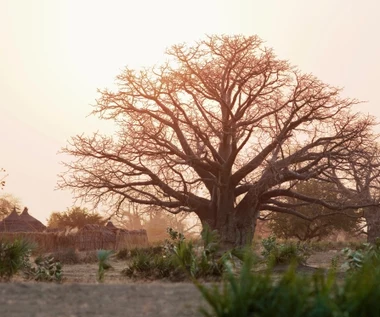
[54, 55]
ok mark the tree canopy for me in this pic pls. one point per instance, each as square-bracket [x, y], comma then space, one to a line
[289, 226]
[7, 203]
[74, 217]
[221, 129]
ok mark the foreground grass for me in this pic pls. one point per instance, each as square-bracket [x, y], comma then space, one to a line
[291, 294]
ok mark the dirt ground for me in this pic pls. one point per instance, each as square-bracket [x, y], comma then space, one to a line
[80, 295]
[81, 300]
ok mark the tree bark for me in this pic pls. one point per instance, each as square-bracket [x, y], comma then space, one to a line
[237, 230]
[372, 216]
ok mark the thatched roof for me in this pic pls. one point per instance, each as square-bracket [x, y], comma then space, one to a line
[35, 224]
[13, 223]
[110, 225]
[23, 223]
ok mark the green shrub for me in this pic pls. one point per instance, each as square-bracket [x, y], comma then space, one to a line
[46, 269]
[178, 259]
[203, 262]
[365, 253]
[284, 253]
[253, 294]
[146, 264]
[14, 256]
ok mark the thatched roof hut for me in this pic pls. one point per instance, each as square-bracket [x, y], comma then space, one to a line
[13, 223]
[111, 226]
[20, 223]
[32, 222]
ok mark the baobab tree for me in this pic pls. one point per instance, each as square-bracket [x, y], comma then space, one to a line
[220, 129]
[358, 179]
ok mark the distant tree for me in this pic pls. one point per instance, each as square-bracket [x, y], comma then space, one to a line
[359, 181]
[289, 226]
[7, 203]
[155, 222]
[74, 217]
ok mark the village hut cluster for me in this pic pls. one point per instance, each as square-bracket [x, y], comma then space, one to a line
[90, 237]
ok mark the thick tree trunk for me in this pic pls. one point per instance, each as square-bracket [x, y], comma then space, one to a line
[372, 216]
[236, 230]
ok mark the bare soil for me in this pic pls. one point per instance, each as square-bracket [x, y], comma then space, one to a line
[80, 294]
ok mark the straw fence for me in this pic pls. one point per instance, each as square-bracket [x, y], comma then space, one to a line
[82, 240]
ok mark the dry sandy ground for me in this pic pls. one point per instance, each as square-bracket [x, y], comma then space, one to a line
[82, 300]
[79, 295]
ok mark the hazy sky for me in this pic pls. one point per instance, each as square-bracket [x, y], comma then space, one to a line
[54, 54]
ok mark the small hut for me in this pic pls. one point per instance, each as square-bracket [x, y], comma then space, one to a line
[13, 223]
[21, 223]
[111, 226]
[33, 223]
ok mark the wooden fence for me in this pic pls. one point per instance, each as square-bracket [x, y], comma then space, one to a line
[82, 240]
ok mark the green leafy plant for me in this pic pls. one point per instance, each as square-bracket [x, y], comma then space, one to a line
[148, 264]
[317, 295]
[284, 253]
[365, 253]
[103, 258]
[178, 258]
[199, 262]
[14, 256]
[47, 269]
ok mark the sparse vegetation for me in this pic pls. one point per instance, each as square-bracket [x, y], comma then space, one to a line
[284, 253]
[46, 269]
[365, 254]
[179, 258]
[254, 294]
[149, 264]
[14, 256]
[71, 256]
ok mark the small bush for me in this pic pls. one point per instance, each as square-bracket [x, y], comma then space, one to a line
[150, 265]
[365, 253]
[14, 256]
[178, 259]
[202, 262]
[284, 253]
[122, 254]
[46, 269]
[152, 250]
